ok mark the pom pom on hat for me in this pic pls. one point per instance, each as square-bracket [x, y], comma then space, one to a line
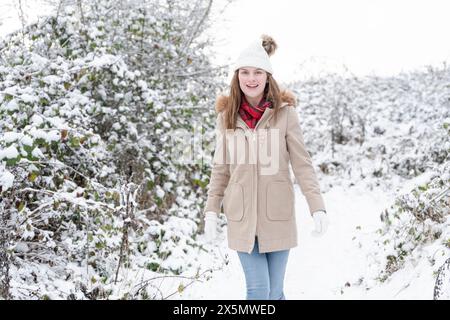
[269, 44]
[257, 54]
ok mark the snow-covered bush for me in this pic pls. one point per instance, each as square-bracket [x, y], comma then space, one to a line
[89, 101]
[381, 132]
[419, 217]
[375, 129]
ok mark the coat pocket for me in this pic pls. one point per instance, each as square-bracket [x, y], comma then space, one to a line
[233, 202]
[280, 201]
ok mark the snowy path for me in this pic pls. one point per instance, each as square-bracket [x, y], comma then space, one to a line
[319, 268]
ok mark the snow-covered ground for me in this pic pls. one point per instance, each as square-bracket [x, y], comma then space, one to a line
[328, 267]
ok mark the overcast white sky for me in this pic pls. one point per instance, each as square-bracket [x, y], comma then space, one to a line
[367, 36]
[370, 37]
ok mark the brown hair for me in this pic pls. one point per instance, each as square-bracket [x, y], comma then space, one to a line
[271, 92]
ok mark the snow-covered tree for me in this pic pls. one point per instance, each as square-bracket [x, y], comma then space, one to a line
[89, 100]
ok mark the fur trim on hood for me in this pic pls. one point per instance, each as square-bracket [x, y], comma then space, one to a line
[286, 96]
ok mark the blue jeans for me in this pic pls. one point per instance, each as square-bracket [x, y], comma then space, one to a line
[264, 273]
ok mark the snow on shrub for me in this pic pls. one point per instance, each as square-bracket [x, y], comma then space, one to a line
[87, 109]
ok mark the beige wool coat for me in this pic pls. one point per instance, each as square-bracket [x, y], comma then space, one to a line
[251, 181]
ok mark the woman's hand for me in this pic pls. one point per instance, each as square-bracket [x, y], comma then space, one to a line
[321, 223]
[210, 226]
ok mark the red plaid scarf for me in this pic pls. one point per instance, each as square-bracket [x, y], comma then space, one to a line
[251, 114]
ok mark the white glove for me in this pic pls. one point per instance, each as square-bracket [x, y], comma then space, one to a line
[321, 223]
[210, 226]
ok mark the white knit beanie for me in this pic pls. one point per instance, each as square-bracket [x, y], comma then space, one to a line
[257, 54]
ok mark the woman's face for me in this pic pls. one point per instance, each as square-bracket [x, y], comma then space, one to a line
[252, 81]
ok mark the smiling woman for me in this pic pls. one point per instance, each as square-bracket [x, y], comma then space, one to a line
[259, 205]
[252, 82]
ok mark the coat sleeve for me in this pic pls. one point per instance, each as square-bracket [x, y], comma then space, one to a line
[301, 163]
[220, 173]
